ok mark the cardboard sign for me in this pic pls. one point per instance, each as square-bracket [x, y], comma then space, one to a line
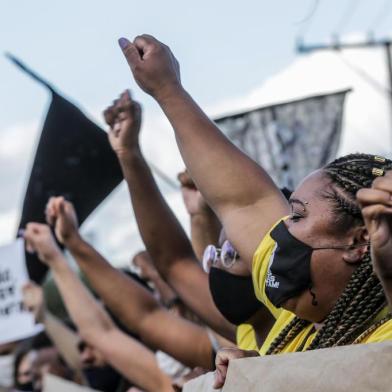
[56, 384]
[359, 368]
[15, 323]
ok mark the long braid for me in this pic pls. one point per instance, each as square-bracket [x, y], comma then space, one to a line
[363, 298]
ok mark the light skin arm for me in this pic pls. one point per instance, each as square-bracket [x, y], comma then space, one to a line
[162, 234]
[140, 312]
[127, 355]
[63, 337]
[233, 185]
[376, 204]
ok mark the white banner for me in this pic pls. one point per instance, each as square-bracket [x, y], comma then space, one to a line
[15, 323]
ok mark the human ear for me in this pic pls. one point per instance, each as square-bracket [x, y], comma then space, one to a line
[358, 246]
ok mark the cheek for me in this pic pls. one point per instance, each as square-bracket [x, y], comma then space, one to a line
[330, 274]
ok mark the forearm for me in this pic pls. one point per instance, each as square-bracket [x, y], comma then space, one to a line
[113, 286]
[161, 232]
[134, 361]
[205, 230]
[225, 176]
[64, 339]
[87, 314]
[167, 243]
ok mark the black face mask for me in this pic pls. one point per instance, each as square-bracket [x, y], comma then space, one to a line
[104, 379]
[27, 386]
[289, 267]
[233, 295]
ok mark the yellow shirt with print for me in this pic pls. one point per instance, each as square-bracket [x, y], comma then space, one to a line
[261, 261]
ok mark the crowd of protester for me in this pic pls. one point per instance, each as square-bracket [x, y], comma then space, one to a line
[266, 271]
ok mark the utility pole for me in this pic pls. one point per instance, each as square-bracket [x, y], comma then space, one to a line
[383, 43]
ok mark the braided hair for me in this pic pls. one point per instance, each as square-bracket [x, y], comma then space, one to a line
[352, 318]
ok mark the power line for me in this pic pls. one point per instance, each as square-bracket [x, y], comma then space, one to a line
[366, 76]
[307, 20]
[381, 15]
[347, 15]
[163, 176]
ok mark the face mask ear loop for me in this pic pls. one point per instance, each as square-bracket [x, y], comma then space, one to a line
[313, 294]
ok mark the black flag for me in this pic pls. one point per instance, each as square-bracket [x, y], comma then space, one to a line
[73, 159]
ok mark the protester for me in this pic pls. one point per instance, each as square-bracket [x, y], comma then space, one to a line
[86, 361]
[315, 265]
[124, 353]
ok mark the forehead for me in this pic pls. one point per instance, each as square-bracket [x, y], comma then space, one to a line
[312, 187]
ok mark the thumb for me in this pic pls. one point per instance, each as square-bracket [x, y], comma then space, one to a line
[130, 52]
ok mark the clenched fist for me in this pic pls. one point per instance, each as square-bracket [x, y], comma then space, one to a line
[153, 65]
[124, 118]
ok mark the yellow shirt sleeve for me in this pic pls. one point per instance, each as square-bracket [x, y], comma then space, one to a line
[260, 264]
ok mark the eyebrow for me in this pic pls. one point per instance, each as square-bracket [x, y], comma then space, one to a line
[297, 201]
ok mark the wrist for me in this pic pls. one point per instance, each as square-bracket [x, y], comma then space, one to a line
[73, 241]
[171, 92]
[128, 153]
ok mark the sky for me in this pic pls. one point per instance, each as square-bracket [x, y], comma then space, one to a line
[233, 55]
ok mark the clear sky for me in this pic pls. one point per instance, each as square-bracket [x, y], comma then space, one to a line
[226, 48]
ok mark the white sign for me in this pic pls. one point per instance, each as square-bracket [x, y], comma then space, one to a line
[15, 323]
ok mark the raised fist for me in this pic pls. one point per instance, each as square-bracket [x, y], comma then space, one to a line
[153, 65]
[33, 300]
[124, 118]
[61, 214]
[39, 239]
[193, 199]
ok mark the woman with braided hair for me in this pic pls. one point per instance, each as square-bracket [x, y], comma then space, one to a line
[309, 258]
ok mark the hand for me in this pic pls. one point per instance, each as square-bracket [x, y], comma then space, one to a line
[153, 65]
[376, 205]
[222, 359]
[61, 214]
[39, 239]
[124, 118]
[193, 199]
[33, 300]
[147, 270]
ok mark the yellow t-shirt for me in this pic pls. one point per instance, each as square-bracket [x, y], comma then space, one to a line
[246, 338]
[261, 261]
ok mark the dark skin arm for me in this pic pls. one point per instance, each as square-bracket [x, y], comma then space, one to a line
[133, 304]
[376, 204]
[205, 226]
[235, 187]
[163, 236]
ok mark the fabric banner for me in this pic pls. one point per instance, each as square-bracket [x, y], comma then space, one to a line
[359, 368]
[291, 139]
[15, 323]
[73, 159]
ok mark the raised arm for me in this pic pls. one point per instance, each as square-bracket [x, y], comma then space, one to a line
[376, 204]
[132, 303]
[163, 236]
[124, 353]
[205, 226]
[62, 336]
[233, 184]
